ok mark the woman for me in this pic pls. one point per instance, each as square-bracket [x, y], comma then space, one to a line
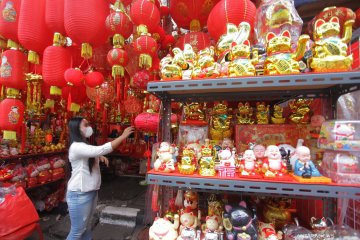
[85, 176]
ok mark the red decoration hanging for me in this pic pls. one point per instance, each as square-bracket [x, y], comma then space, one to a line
[11, 117]
[13, 68]
[94, 79]
[198, 41]
[54, 16]
[118, 59]
[104, 94]
[230, 11]
[74, 77]
[168, 42]
[32, 31]
[133, 105]
[149, 122]
[145, 13]
[146, 46]
[141, 79]
[75, 97]
[9, 19]
[119, 23]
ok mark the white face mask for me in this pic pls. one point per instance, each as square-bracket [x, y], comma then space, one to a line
[88, 132]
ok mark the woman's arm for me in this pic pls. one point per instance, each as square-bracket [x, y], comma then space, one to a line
[116, 143]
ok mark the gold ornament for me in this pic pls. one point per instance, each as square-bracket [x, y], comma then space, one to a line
[278, 115]
[262, 114]
[220, 124]
[278, 212]
[330, 51]
[241, 65]
[187, 165]
[245, 114]
[179, 58]
[169, 70]
[194, 112]
[190, 56]
[206, 66]
[207, 163]
[301, 110]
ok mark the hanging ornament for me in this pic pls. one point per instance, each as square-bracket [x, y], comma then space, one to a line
[9, 21]
[75, 97]
[118, 59]
[74, 77]
[94, 79]
[33, 94]
[141, 79]
[145, 15]
[149, 121]
[13, 68]
[146, 47]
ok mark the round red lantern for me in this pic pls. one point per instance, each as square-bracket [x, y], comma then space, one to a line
[149, 121]
[55, 62]
[103, 94]
[9, 19]
[168, 42]
[145, 13]
[54, 16]
[198, 41]
[118, 23]
[11, 117]
[32, 31]
[94, 79]
[141, 79]
[146, 46]
[85, 23]
[118, 59]
[159, 34]
[74, 77]
[13, 69]
[230, 11]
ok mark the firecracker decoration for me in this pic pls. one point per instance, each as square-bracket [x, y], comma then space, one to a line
[33, 94]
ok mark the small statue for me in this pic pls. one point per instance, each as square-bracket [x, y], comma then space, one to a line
[191, 200]
[179, 59]
[318, 225]
[267, 232]
[206, 66]
[330, 51]
[227, 166]
[220, 124]
[304, 167]
[190, 56]
[301, 110]
[273, 165]
[162, 228]
[188, 160]
[262, 114]
[188, 225]
[279, 58]
[165, 161]
[278, 211]
[248, 165]
[169, 70]
[212, 228]
[259, 151]
[207, 164]
[344, 132]
[278, 115]
[241, 64]
[245, 114]
[194, 112]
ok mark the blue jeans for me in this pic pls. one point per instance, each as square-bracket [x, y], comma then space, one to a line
[81, 208]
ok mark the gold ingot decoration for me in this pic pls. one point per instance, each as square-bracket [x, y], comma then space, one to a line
[277, 117]
[244, 116]
[220, 123]
[187, 164]
[262, 113]
[278, 211]
[207, 163]
[301, 111]
[206, 66]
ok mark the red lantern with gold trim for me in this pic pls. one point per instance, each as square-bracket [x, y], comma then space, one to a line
[118, 59]
[119, 23]
[74, 77]
[145, 13]
[198, 41]
[13, 69]
[94, 79]
[11, 117]
[146, 46]
[149, 121]
[9, 19]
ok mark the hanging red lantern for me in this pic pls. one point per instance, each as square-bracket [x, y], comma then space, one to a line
[75, 97]
[11, 117]
[9, 19]
[198, 41]
[13, 69]
[159, 34]
[145, 46]
[104, 94]
[54, 16]
[118, 59]
[149, 121]
[141, 79]
[119, 24]
[168, 42]
[144, 13]
[55, 62]
[85, 23]
[230, 11]
[32, 31]
[74, 77]
[94, 79]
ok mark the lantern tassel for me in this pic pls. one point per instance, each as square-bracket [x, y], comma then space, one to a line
[117, 71]
[55, 91]
[86, 50]
[155, 199]
[9, 135]
[23, 138]
[118, 41]
[69, 102]
[2, 93]
[118, 89]
[74, 107]
[49, 103]
[145, 61]
[97, 102]
[33, 57]
[12, 44]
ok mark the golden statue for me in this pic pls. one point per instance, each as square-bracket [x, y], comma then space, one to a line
[301, 110]
[193, 111]
[278, 115]
[207, 163]
[279, 58]
[278, 211]
[262, 114]
[245, 114]
[241, 65]
[220, 124]
[330, 51]
[169, 70]
[206, 66]
[179, 58]
[190, 56]
[187, 165]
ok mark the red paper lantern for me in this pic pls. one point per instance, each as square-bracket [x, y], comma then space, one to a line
[13, 69]
[118, 59]
[94, 79]
[141, 79]
[55, 62]
[32, 31]
[167, 42]
[119, 23]
[105, 94]
[54, 16]
[198, 41]
[11, 117]
[9, 19]
[74, 77]
[145, 13]
[85, 23]
[159, 34]
[230, 11]
[146, 46]
[149, 121]
[133, 105]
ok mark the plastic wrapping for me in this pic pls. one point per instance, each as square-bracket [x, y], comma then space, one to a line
[277, 16]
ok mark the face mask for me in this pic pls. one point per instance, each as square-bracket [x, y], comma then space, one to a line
[88, 132]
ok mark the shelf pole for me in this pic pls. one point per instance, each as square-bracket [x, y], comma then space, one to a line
[166, 121]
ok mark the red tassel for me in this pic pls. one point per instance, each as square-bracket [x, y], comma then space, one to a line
[69, 102]
[118, 89]
[97, 102]
[23, 138]
[104, 116]
[155, 199]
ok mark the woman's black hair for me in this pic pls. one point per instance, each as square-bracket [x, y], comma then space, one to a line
[75, 136]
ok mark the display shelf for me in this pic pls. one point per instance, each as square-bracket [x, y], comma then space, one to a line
[24, 156]
[249, 88]
[44, 185]
[255, 186]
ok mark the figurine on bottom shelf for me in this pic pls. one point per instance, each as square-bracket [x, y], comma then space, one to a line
[267, 232]
[212, 229]
[259, 151]
[240, 223]
[245, 114]
[273, 165]
[248, 165]
[278, 211]
[188, 225]
[318, 225]
[304, 167]
[227, 167]
[163, 229]
[191, 200]
[207, 164]
[165, 160]
[187, 165]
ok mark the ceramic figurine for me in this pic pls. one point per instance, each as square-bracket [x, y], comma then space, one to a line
[164, 229]
[318, 225]
[344, 132]
[179, 59]
[241, 64]
[277, 117]
[165, 161]
[267, 232]
[259, 151]
[304, 167]
[278, 211]
[330, 51]
[301, 110]
[248, 165]
[262, 114]
[212, 228]
[206, 66]
[187, 165]
[193, 112]
[207, 164]
[190, 56]
[169, 70]
[188, 225]
[280, 59]
[220, 124]
[245, 114]
[273, 165]
[316, 122]
[240, 223]
[191, 200]
[227, 166]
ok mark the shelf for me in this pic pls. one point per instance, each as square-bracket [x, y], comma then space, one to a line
[45, 184]
[294, 189]
[23, 156]
[258, 88]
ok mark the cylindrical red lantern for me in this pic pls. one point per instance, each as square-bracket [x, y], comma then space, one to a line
[74, 77]
[32, 31]
[54, 16]
[94, 79]
[149, 121]
[13, 69]
[118, 59]
[9, 19]
[55, 62]
[85, 23]
[141, 79]
[230, 11]
[145, 13]
[11, 117]
[198, 41]
[146, 46]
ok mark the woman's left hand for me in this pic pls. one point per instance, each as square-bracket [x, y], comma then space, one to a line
[104, 160]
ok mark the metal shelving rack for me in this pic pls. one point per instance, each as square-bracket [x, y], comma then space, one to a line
[270, 88]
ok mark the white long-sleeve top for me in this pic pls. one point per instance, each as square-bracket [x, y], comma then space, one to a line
[79, 153]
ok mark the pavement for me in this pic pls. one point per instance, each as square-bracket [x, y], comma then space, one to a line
[119, 214]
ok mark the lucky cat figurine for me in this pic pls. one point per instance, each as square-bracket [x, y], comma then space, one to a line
[241, 64]
[206, 66]
[163, 229]
[169, 70]
[188, 225]
[207, 163]
[330, 51]
[187, 165]
[280, 59]
[212, 229]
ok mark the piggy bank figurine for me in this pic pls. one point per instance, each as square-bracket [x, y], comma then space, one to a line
[344, 131]
[212, 229]
[164, 229]
[273, 165]
[304, 167]
[248, 165]
[165, 160]
[240, 223]
[280, 59]
[241, 64]
[188, 225]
